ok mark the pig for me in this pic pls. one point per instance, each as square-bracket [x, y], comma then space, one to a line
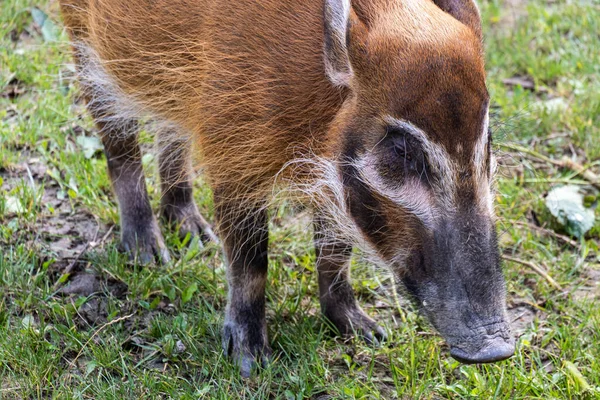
[372, 112]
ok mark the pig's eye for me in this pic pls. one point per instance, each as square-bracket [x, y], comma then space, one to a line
[401, 156]
[406, 150]
[402, 149]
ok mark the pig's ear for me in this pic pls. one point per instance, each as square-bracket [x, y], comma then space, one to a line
[465, 11]
[336, 16]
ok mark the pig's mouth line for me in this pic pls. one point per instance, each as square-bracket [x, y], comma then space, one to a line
[484, 332]
[462, 341]
[498, 322]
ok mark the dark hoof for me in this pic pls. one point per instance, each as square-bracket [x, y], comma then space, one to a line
[145, 244]
[246, 353]
[189, 221]
[373, 334]
[356, 322]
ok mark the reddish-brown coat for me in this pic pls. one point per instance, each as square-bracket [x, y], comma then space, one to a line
[247, 79]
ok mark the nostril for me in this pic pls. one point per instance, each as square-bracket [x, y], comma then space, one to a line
[497, 349]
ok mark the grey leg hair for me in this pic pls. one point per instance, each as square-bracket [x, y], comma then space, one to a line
[177, 202]
[336, 295]
[245, 237]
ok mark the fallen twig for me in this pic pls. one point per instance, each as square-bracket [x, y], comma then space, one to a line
[114, 321]
[565, 162]
[11, 389]
[581, 170]
[76, 259]
[88, 245]
[533, 153]
[557, 180]
[106, 235]
[549, 232]
[518, 317]
[539, 270]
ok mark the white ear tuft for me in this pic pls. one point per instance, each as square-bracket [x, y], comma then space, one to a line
[337, 64]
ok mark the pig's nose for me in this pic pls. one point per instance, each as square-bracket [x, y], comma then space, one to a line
[494, 350]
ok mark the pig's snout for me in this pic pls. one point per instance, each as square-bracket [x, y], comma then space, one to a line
[492, 342]
[496, 349]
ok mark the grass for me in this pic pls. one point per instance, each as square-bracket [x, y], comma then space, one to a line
[155, 332]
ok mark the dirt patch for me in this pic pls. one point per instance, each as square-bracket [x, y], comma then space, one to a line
[64, 230]
[89, 283]
[521, 317]
[522, 313]
[589, 290]
[66, 235]
[98, 289]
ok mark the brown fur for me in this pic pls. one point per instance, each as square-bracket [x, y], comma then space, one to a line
[255, 93]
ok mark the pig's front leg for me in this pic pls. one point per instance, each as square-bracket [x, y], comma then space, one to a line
[336, 295]
[244, 234]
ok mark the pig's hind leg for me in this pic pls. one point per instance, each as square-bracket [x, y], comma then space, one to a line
[338, 303]
[115, 116]
[177, 202]
[140, 234]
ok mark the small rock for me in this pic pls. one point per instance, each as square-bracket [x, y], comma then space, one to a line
[179, 347]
